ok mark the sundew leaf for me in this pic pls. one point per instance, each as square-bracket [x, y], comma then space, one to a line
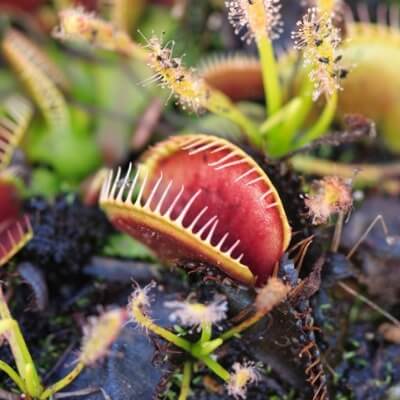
[121, 245]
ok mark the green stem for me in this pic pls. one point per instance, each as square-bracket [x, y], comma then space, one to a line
[270, 74]
[242, 326]
[187, 377]
[171, 337]
[280, 139]
[217, 368]
[13, 375]
[23, 359]
[276, 119]
[201, 349]
[367, 174]
[206, 332]
[209, 347]
[62, 383]
[323, 123]
[296, 121]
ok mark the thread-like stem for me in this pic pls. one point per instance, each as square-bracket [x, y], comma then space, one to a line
[187, 377]
[270, 74]
[206, 331]
[297, 114]
[274, 120]
[280, 139]
[323, 123]
[337, 235]
[147, 323]
[242, 326]
[217, 368]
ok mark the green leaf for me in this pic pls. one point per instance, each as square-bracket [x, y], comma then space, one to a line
[44, 183]
[122, 245]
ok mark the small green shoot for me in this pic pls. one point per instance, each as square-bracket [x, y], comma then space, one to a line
[201, 318]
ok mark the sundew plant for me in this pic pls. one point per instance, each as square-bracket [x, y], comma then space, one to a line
[316, 37]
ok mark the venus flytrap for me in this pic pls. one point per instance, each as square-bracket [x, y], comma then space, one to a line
[73, 152]
[98, 337]
[23, 57]
[15, 230]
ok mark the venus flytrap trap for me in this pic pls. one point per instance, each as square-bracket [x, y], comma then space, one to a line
[15, 229]
[98, 337]
[203, 318]
[186, 222]
[43, 81]
[13, 237]
[18, 113]
[23, 57]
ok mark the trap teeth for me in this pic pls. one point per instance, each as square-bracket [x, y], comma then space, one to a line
[201, 198]
[13, 238]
